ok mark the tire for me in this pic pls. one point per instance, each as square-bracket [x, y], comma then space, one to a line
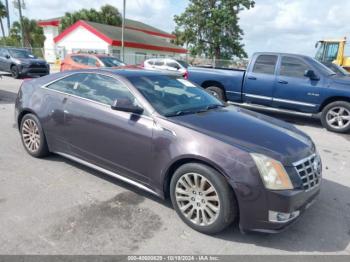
[217, 92]
[15, 72]
[215, 215]
[336, 117]
[33, 137]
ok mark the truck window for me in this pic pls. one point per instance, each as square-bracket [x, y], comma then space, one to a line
[293, 67]
[265, 64]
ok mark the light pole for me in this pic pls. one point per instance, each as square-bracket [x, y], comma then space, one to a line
[21, 21]
[123, 28]
[8, 17]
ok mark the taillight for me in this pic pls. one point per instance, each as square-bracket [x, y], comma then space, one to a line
[185, 74]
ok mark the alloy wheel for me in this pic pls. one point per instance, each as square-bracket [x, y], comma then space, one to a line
[197, 199]
[31, 135]
[338, 117]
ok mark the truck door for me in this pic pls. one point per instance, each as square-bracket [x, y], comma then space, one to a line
[260, 79]
[295, 91]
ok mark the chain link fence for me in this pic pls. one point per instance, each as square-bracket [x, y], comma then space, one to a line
[58, 55]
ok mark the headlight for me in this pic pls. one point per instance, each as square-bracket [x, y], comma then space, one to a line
[272, 173]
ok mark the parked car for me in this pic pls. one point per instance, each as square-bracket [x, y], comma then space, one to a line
[165, 135]
[86, 61]
[21, 62]
[167, 64]
[286, 83]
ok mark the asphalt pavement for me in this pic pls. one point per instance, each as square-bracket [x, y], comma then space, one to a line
[55, 206]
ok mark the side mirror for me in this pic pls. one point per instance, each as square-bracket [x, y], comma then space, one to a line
[7, 56]
[311, 74]
[126, 105]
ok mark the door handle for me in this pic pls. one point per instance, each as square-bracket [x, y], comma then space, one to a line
[282, 82]
[252, 77]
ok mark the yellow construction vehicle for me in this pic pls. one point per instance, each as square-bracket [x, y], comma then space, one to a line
[333, 51]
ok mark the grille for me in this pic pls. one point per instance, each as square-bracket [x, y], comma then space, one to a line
[37, 66]
[310, 171]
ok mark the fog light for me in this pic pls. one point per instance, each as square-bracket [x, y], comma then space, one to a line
[280, 217]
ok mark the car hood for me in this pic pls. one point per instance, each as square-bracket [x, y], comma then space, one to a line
[252, 132]
[343, 80]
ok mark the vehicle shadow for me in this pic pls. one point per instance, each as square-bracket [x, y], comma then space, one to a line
[7, 97]
[120, 183]
[324, 227]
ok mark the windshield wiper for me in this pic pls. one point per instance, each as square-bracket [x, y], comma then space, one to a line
[209, 107]
[180, 113]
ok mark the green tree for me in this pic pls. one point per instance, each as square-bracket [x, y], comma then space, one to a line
[3, 14]
[210, 27]
[106, 15]
[33, 34]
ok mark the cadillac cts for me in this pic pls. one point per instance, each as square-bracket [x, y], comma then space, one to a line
[163, 134]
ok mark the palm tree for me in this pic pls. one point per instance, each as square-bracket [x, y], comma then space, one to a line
[3, 14]
[33, 34]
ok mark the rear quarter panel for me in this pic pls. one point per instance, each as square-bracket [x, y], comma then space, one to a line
[230, 80]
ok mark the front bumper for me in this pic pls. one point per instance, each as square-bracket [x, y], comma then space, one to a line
[254, 209]
[34, 71]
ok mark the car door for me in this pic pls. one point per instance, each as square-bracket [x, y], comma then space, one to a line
[115, 140]
[295, 91]
[260, 80]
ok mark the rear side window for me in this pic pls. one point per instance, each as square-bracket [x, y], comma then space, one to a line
[265, 64]
[159, 62]
[96, 87]
[81, 59]
[293, 67]
[173, 64]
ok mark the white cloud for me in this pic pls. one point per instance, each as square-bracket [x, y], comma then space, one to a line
[293, 26]
[155, 12]
[272, 25]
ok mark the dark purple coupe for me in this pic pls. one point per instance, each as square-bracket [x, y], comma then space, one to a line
[161, 133]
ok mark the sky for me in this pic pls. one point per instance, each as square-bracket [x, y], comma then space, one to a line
[272, 25]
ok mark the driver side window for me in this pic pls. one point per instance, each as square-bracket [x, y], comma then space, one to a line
[95, 87]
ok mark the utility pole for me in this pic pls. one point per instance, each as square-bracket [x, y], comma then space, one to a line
[21, 20]
[8, 17]
[123, 29]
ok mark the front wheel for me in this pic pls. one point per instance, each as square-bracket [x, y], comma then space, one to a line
[202, 198]
[15, 72]
[336, 117]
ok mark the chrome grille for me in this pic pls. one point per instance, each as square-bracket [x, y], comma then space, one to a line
[309, 170]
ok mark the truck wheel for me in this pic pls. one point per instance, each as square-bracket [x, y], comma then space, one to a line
[217, 92]
[336, 117]
[202, 198]
[15, 72]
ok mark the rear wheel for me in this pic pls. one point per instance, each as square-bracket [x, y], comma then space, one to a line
[202, 198]
[336, 117]
[217, 92]
[15, 72]
[33, 137]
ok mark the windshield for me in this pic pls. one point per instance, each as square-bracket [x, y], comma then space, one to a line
[324, 69]
[183, 63]
[110, 61]
[17, 53]
[173, 96]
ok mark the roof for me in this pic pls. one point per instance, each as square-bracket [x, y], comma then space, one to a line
[132, 38]
[133, 24]
[129, 23]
